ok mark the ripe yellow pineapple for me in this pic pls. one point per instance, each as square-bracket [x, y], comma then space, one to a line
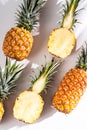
[29, 104]
[8, 77]
[18, 41]
[62, 40]
[73, 86]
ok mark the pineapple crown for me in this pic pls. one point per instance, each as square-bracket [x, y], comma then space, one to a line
[8, 76]
[42, 82]
[28, 14]
[82, 60]
[69, 14]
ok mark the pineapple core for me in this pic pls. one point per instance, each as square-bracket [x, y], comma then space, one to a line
[61, 42]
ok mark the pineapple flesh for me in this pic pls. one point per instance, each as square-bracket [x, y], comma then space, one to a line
[8, 77]
[29, 104]
[58, 44]
[62, 40]
[18, 40]
[72, 87]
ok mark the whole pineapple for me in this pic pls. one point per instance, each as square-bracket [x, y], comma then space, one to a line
[73, 86]
[8, 76]
[18, 41]
[29, 104]
[62, 40]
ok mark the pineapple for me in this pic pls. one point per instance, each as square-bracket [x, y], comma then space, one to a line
[73, 86]
[1, 110]
[8, 77]
[29, 104]
[62, 40]
[18, 40]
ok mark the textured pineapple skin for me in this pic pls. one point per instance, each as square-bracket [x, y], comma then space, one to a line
[70, 90]
[1, 110]
[61, 42]
[18, 43]
[28, 107]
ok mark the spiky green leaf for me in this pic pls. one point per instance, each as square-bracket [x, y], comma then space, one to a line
[8, 76]
[45, 77]
[28, 13]
[82, 60]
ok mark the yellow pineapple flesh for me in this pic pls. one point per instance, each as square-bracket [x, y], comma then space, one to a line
[18, 43]
[1, 110]
[72, 86]
[61, 45]
[28, 106]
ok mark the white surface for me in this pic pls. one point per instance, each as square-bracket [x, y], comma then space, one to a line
[50, 118]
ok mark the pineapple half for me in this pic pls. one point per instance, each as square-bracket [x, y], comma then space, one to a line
[29, 104]
[73, 86]
[8, 77]
[62, 40]
[18, 40]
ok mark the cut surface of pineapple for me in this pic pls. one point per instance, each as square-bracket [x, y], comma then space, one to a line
[61, 42]
[1, 110]
[28, 106]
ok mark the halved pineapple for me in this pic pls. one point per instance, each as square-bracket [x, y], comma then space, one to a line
[28, 106]
[62, 40]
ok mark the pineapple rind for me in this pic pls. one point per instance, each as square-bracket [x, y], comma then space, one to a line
[1, 110]
[70, 90]
[28, 106]
[18, 43]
